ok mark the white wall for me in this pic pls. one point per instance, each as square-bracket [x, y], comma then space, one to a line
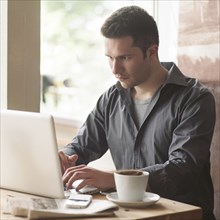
[167, 18]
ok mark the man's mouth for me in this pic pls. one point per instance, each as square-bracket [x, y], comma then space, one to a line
[120, 77]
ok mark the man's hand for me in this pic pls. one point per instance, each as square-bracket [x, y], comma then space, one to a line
[67, 161]
[90, 176]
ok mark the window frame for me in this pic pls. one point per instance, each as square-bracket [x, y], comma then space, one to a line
[20, 73]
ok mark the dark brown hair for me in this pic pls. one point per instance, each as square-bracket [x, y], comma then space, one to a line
[132, 21]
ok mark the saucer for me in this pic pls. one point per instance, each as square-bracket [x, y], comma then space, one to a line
[149, 199]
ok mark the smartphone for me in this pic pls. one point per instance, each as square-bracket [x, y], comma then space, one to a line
[78, 201]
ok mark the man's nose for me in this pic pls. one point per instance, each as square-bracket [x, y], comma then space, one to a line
[116, 67]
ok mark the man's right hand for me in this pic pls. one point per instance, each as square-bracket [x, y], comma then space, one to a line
[67, 161]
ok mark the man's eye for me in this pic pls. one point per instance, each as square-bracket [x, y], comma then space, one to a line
[125, 57]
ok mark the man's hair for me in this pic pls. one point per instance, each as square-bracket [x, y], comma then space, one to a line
[132, 21]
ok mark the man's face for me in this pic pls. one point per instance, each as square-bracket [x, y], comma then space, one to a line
[127, 62]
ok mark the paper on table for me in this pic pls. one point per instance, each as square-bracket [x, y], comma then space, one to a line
[34, 208]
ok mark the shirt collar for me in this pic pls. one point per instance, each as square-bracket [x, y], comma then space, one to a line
[175, 76]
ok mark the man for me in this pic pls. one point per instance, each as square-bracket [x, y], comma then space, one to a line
[154, 118]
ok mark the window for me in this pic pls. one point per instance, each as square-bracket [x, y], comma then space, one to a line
[73, 67]
[74, 70]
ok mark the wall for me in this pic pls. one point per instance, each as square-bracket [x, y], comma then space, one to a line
[23, 82]
[198, 57]
[3, 53]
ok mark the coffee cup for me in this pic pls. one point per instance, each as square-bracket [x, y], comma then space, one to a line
[131, 184]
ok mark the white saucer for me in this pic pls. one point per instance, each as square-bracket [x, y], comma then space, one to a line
[149, 199]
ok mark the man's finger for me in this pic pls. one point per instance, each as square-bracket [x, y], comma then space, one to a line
[73, 158]
[62, 161]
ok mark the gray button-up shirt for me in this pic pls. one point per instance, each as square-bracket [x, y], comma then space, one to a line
[172, 144]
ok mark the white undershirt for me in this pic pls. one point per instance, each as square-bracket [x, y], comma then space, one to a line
[140, 108]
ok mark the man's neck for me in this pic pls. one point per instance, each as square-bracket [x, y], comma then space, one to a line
[148, 89]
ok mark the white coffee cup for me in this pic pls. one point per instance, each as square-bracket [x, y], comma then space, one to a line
[131, 184]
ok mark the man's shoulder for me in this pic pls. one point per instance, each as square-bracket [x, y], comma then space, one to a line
[197, 87]
[110, 92]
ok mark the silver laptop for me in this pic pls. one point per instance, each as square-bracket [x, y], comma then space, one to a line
[29, 154]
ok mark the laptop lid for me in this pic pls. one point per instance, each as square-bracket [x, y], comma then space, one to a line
[29, 154]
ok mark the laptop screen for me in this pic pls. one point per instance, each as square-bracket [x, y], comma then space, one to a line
[29, 154]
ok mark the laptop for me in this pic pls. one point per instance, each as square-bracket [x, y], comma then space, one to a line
[29, 154]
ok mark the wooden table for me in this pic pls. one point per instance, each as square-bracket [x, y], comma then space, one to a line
[164, 209]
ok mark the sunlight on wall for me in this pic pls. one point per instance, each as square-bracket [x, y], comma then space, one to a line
[168, 24]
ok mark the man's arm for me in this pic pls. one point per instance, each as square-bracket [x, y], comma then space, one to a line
[189, 150]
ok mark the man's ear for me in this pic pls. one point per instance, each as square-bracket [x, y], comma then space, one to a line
[152, 51]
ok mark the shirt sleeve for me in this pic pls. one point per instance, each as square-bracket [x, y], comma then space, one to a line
[189, 150]
[90, 142]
